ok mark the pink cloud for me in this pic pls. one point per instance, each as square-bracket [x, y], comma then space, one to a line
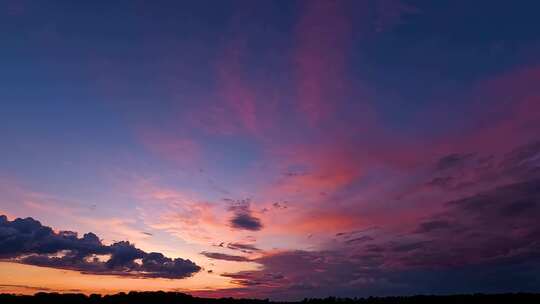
[185, 215]
[323, 36]
[239, 97]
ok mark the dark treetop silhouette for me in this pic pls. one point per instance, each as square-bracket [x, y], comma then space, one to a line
[180, 298]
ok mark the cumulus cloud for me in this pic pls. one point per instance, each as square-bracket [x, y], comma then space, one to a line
[27, 241]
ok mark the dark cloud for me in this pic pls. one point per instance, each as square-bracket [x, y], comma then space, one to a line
[123, 255]
[246, 221]
[280, 205]
[460, 171]
[442, 182]
[457, 172]
[247, 248]
[409, 246]
[243, 218]
[295, 173]
[225, 257]
[26, 236]
[522, 162]
[357, 236]
[253, 278]
[484, 242]
[500, 224]
[518, 208]
[156, 265]
[27, 241]
[433, 225]
[361, 239]
[524, 194]
[525, 153]
[453, 160]
[297, 274]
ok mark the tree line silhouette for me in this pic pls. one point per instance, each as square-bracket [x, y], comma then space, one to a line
[161, 297]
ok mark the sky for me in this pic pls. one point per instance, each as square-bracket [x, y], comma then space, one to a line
[270, 149]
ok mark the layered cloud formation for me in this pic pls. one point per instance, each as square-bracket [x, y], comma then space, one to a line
[27, 241]
[486, 240]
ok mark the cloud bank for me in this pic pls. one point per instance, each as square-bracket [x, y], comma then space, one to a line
[485, 240]
[27, 241]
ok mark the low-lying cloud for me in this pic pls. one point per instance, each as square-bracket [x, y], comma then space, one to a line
[485, 239]
[27, 241]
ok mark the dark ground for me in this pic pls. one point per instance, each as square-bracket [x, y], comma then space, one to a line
[177, 298]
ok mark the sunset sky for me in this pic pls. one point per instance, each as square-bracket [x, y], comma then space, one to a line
[270, 149]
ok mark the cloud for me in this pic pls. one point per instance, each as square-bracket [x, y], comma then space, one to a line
[246, 221]
[484, 241]
[323, 34]
[180, 213]
[28, 287]
[453, 160]
[431, 225]
[522, 162]
[23, 236]
[498, 225]
[243, 218]
[27, 241]
[225, 257]
[361, 239]
[247, 248]
[293, 274]
[459, 171]
[359, 272]
[282, 205]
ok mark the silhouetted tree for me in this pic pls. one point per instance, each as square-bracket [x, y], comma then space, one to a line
[161, 297]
